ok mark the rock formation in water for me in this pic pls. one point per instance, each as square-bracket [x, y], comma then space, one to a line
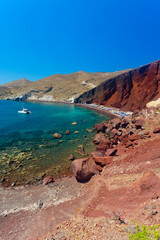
[128, 91]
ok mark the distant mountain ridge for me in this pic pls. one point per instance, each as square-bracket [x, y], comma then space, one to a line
[17, 83]
[58, 87]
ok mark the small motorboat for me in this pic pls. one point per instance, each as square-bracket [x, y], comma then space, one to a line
[26, 111]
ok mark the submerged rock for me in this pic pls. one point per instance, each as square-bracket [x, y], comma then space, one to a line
[57, 135]
[74, 123]
[67, 132]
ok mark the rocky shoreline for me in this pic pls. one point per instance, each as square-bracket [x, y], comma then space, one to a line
[121, 178]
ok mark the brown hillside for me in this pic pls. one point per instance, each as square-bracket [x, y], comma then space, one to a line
[128, 91]
[17, 83]
[60, 86]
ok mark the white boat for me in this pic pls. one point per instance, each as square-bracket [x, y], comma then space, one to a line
[26, 111]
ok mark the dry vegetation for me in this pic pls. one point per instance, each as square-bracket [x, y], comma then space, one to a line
[60, 86]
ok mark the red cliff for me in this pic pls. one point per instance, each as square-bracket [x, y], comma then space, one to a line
[128, 91]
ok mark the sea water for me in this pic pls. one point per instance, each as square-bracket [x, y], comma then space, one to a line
[28, 149]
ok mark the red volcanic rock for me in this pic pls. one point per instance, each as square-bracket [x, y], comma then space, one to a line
[128, 91]
[128, 143]
[147, 184]
[115, 140]
[99, 168]
[111, 152]
[104, 145]
[116, 122]
[98, 154]
[84, 169]
[103, 161]
[156, 130]
[48, 180]
[134, 137]
[100, 127]
[123, 139]
[99, 137]
[71, 157]
[116, 132]
[124, 123]
[108, 128]
[139, 123]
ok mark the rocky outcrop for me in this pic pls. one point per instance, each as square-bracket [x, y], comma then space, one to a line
[84, 169]
[128, 91]
[22, 97]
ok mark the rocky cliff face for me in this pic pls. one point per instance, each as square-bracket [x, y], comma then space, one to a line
[129, 91]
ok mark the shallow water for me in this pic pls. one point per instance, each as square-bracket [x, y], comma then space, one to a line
[27, 147]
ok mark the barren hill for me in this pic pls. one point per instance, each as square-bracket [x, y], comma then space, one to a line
[17, 83]
[60, 86]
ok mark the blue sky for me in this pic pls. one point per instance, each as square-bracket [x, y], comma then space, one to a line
[39, 38]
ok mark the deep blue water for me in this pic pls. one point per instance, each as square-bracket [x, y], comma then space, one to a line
[29, 139]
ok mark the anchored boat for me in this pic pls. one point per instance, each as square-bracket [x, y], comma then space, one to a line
[26, 111]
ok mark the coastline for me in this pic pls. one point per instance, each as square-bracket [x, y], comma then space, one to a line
[65, 170]
[99, 109]
[111, 112]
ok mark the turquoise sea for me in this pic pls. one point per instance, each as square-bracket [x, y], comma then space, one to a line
[27, 146]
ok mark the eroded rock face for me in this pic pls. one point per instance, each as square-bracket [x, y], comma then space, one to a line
[128, 91]
[84, 169]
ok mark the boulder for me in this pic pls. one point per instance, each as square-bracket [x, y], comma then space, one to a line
[148, 184]
[116, 122]
[48, 180]
[128, 143]
[100, 127]
[132, 131]
[103, 161]
[99, 137]
[84, 169]
[115, 140]
[104, 145]
[71, 157]
[111, 152]
[124, 123]
[108, 128]
[98, 154]
[99, 168]
[156, 130]
[67, 132]
[134, 137]
[123, 139]
[139, 123]
[116, 132]
[57, 135]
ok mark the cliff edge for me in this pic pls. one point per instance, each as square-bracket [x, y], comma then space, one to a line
[128, 91]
